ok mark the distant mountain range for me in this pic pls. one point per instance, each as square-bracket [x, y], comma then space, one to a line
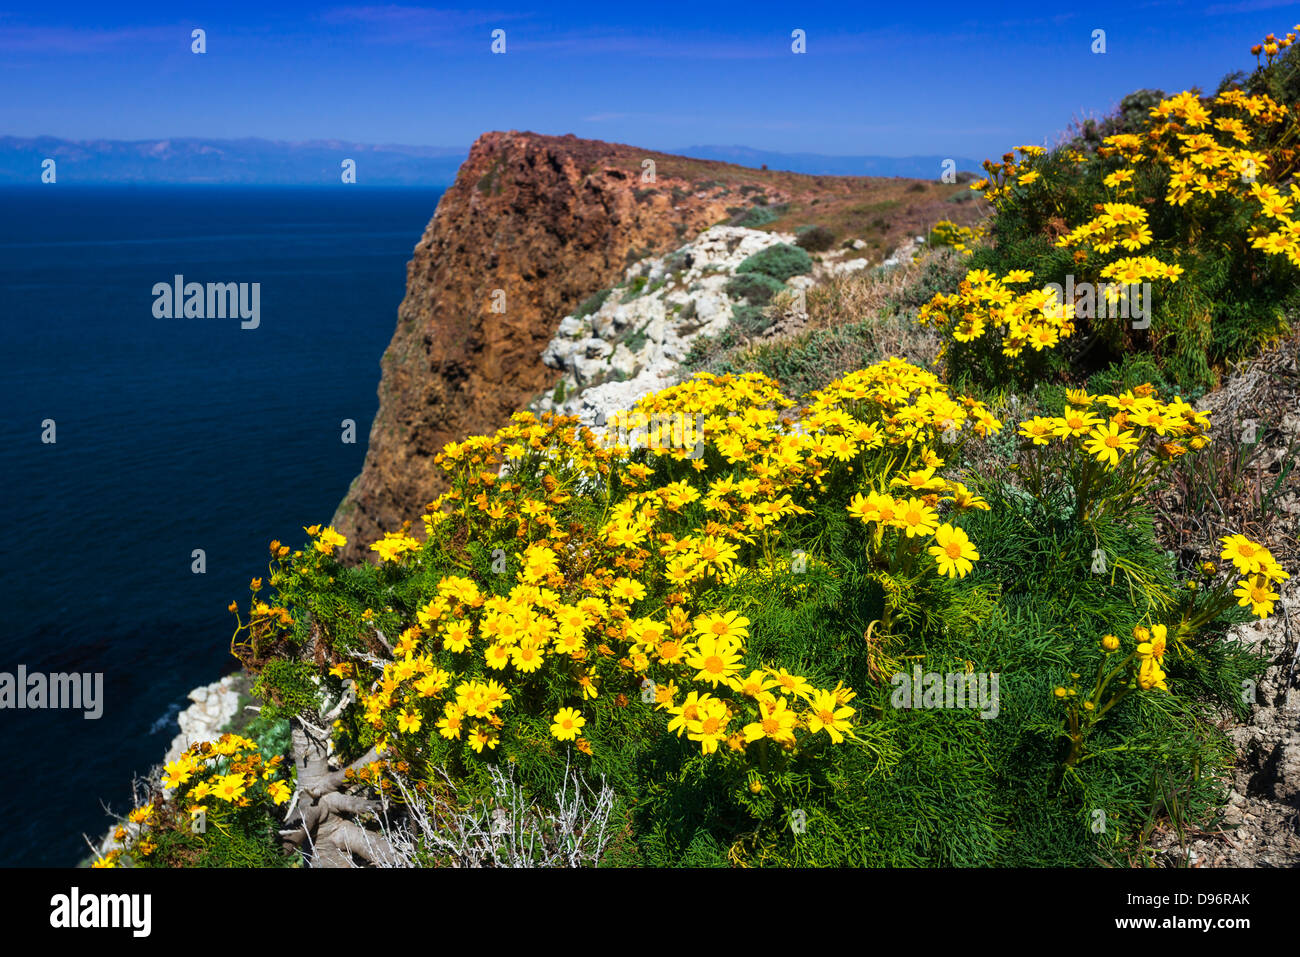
[244, 161]
[270, 162]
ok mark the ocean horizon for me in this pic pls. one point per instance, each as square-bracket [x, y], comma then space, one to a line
[170, 435]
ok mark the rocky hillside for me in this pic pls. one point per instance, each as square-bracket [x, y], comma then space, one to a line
[533, 227]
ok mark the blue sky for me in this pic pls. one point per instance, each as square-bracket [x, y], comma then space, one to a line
[941, 78]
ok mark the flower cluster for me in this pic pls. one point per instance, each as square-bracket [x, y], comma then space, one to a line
[1137, 418]
[1272, 45]
[612, 566]
[230, 770]
[1204, 147]
[1219, 166]
[1116, 678]
[1111, 448]
[947, 233]
[1260, 571]
[210, 779]
[1008, 173]
[986, 303]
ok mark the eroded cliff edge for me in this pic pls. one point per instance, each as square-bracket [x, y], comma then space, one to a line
[536, 224]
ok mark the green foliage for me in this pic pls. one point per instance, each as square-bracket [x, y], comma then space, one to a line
[287, 688]
[814, 238]
[592, 304]
[756, 287]
[756, 216]
[780, 262]
[233, 837]
[749, 320]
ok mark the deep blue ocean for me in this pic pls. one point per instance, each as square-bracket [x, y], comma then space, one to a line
[171, 435]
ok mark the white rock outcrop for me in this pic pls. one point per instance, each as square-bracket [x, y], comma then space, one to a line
[214, 705]
[635, 343]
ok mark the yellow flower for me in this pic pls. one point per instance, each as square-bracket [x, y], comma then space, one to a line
[229, 787]
[710, 726]
[953, 551]
[1151, 675]
[393, 545]
[527, 656]
[279, 791]
[754, 686]
[716, 658]
[1074, 423]
[688, 711]
[628, 590]
[828, 715]
[727, 625]
[776, 721]
[329, 540]
[916, 518]
[1108, 442]
[791, 684]
[177, 772]
[451, 723]
[1039, 429]
[567, 724]
[1254, 592]
[1247, 556]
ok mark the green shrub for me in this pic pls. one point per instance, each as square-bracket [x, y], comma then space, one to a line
[780, 262]
[750, 320]
[592, 304]
[756, 287]
[756, 216]
[815, 239]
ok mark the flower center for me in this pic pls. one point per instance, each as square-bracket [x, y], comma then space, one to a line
[953, 550]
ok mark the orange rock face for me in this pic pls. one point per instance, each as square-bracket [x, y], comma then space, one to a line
[545, 220]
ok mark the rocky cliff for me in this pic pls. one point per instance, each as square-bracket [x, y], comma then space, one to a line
[533, 226]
